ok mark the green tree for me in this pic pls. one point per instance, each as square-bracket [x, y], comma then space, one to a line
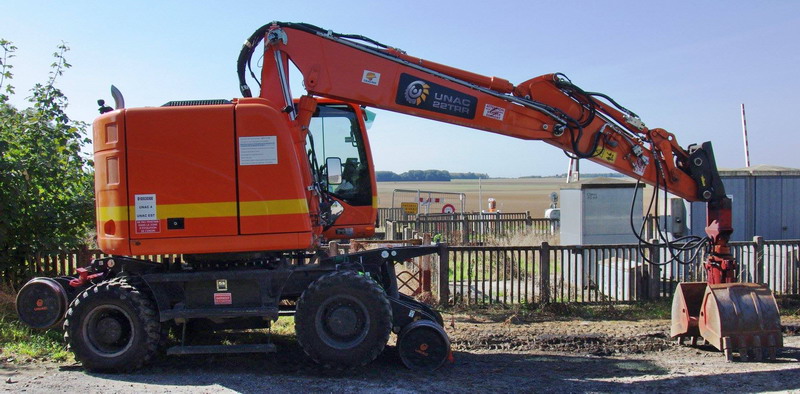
[46, 192]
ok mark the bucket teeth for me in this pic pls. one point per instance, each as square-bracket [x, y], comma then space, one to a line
[758, 352]
[727, 348]
[772, 353]
[743, 350]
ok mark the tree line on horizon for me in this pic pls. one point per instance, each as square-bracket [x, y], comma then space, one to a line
[425, 175]
[446, 176]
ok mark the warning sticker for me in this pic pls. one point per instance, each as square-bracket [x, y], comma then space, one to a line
[255, 151]
[146, 218]
[223, 299]
[605, 154]
[640, 166]
[494, 112]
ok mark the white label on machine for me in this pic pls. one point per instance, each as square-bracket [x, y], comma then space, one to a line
[371, 77]
[494, 112]
[146, 216]
[255, 151]
[640, 166]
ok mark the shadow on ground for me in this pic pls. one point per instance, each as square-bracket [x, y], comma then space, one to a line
[290, 370]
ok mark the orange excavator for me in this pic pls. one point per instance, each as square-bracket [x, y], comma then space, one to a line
[248, 190]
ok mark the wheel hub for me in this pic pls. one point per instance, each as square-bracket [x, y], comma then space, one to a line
[109, 330]
[343, 321]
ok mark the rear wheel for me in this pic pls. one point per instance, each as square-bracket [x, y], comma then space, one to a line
[112, 327]
[343, 320]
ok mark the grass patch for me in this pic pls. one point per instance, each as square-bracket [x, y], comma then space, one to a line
[19, 343]
[789, 305]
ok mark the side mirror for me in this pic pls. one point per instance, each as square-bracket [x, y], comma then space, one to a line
[334, 166]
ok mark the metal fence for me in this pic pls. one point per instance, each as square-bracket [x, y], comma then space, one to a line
[62, 263]
[551, 273]
[602, 273]
[385, 214]
[469, 231]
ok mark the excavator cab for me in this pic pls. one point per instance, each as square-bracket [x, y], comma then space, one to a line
[340, 157]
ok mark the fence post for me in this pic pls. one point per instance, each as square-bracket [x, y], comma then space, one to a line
[333, 248]
[650, 277]
[528, 221]
[465, 231]
[425, 267]
[83, 259]
[544, 273]
[389, 235]
[444, 274]
[757, 270]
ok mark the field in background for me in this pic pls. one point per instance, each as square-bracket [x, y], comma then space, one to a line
[512, 195]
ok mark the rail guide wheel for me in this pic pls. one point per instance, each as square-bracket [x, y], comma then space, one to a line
[423, 345]
[42, 303]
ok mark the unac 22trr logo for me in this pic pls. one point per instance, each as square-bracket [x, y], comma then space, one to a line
[417, 92]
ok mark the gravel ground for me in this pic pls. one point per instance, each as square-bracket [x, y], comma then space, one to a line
[506, 356]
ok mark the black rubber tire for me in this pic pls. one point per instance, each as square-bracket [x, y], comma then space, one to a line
[110, 306]
[357, 299]
[139, 284]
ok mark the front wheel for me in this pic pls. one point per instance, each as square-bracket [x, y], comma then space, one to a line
[112, 327]
[343, 320]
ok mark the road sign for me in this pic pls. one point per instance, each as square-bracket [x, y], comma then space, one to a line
[410, 208]
[448, 208]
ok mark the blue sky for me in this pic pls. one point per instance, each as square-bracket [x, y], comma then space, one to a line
[682, 66]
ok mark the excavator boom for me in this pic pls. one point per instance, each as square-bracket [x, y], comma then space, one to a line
[548, 108]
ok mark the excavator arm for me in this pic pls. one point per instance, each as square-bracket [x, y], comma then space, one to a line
[550, 108]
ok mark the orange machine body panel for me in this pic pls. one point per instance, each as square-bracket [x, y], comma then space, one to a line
[271, 198]
[199, 179]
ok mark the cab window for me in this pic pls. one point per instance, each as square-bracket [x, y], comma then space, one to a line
[335, 133]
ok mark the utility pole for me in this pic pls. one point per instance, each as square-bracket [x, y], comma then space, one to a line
[744, 135]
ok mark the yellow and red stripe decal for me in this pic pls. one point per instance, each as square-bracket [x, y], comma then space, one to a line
[212, 210]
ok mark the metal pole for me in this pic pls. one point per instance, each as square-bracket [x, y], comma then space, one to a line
[480, 196]
[569, 171]
[744, 135]
[574, 170]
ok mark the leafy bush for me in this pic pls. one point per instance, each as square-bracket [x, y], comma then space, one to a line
[46, 193]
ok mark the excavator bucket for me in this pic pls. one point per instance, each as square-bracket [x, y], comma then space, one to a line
[733, 317]
[686, 310]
